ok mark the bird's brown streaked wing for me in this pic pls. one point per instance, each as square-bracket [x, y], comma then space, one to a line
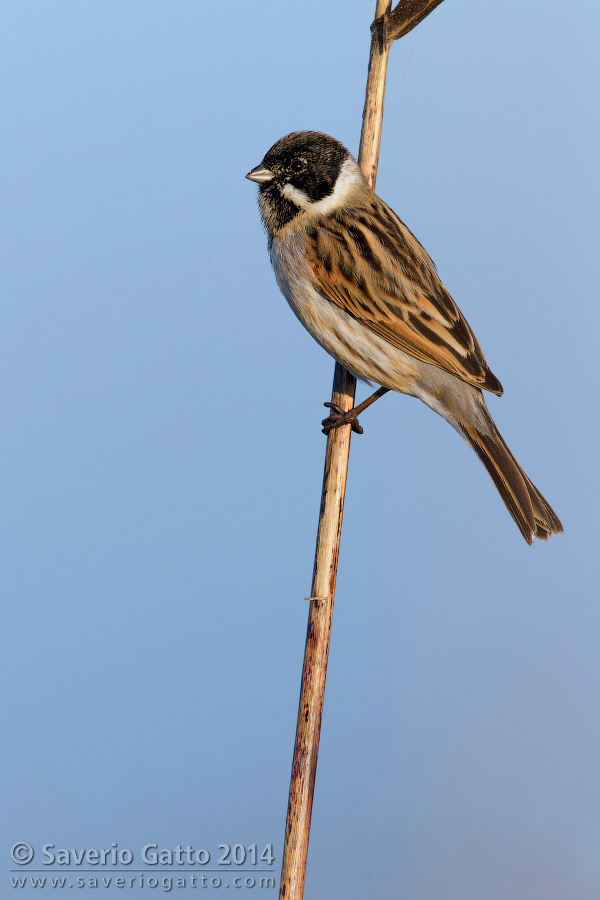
[369, 264]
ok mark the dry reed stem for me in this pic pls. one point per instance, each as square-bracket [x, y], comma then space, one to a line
[310, 709]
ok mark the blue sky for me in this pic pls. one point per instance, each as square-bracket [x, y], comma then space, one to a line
[162, 455]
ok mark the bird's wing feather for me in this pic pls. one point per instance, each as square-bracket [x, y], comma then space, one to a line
[368, 263]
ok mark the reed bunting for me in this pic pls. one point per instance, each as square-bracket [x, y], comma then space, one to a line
[368, 292]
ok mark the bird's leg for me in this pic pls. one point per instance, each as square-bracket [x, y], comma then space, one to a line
[338, 417]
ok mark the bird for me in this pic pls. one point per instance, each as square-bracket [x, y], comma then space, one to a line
[369, 293]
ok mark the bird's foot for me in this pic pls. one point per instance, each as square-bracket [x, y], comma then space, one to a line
[339, 417]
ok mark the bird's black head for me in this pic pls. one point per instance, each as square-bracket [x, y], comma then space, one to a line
[299, 170]
[307, 160]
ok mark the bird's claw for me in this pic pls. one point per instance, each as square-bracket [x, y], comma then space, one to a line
[338, 418]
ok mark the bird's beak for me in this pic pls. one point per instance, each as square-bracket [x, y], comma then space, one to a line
[261, 175]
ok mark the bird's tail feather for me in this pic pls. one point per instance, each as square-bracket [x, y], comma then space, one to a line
[532, 513]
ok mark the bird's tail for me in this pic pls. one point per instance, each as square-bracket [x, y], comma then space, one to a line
[532, 513]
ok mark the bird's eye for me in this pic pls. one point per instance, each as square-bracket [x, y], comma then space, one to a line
[297, 165]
